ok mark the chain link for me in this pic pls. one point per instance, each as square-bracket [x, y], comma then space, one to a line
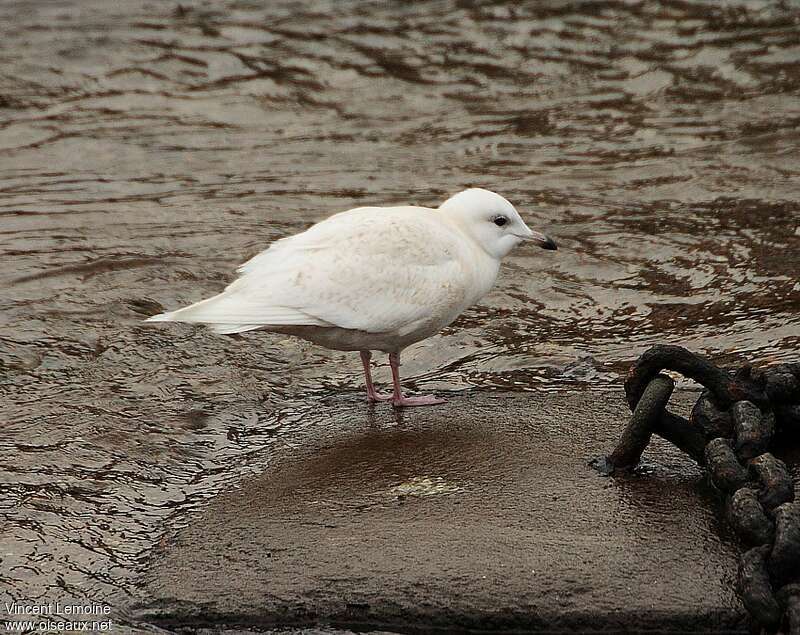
[732, 428]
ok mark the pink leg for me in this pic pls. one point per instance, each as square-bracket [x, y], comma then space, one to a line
[398, 400]
[372, 395]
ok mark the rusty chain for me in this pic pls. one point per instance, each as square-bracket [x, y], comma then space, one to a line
[731, 430]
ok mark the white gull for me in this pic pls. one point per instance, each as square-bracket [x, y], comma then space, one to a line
[372, 278]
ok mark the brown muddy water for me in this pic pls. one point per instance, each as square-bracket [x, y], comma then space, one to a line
[147, 148]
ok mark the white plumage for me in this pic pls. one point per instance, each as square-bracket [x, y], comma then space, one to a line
[371, 278]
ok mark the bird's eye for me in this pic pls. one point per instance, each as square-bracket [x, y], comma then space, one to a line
[499, 220]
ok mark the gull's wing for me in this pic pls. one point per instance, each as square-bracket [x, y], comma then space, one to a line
[372, 269]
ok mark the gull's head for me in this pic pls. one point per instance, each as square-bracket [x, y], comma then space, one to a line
[491, 221]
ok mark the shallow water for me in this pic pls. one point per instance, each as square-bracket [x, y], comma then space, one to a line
[147, 148]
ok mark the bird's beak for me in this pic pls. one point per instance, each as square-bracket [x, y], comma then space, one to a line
[545, 242]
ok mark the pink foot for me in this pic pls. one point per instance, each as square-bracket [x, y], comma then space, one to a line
[372, 394]
[378, 396]
[421, 400]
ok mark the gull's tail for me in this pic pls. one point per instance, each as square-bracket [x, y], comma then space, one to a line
[233, 312]
[198, 314]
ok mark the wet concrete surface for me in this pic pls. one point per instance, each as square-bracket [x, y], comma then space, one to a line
[479, 515]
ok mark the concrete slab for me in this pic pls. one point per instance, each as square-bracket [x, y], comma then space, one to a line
[478, 515]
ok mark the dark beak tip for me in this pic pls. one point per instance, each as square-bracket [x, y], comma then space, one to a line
[550, 245]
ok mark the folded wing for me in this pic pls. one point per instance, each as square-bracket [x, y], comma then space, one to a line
[377, 270]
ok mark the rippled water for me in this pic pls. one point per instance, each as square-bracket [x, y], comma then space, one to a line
[147, 148]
